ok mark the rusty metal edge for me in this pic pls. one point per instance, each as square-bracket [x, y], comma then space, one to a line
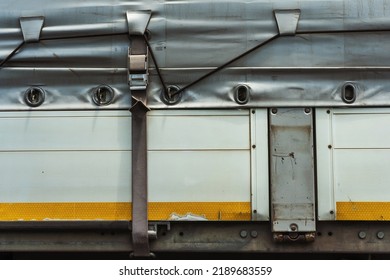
[197, 237]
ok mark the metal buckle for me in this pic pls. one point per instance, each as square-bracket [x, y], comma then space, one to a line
[138, 70]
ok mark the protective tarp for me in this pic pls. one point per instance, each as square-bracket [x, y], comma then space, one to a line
[84, 44]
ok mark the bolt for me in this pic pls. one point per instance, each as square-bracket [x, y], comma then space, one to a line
[329, 146]
[254, 146]
[253, 111]
[243, 234]
[310, 237]
[380, 235]
[278, 237]
[307, 110]
[328, 111]
[254, 234]
[294, 227]
[274, 110]
[331, 212]
[362, 235]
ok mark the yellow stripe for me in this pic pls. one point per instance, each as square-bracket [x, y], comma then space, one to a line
[227, 211]
[363, 211]
[122, 210]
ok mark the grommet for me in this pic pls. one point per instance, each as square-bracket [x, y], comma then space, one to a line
[348, 93]
[241, 94]
[34, 96]
[103, 95]
[169, 97]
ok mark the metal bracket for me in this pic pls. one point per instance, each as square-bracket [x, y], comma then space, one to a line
[281, 237]
[138, 70]
[287, 21]
[153, 229]
[31, 28]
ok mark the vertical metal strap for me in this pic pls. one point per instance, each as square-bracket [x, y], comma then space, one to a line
[139, 159]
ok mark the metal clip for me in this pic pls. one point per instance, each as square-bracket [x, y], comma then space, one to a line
[138, 70]
[31, 28]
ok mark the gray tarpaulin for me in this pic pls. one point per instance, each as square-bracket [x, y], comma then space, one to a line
[84, 44]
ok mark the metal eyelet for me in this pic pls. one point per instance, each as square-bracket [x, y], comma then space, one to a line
[241, 94]
[348, 93]
[103, 95]
[168, 98]
[34, 96]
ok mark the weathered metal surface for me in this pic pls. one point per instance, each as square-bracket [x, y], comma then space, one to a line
[336, 42]
[331, 237]
[292, 195]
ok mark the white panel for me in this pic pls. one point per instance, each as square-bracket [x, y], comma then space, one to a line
[65, 176]
[243, 112]
[353, 156]
[208, 176]
[259, 165]
[86, 157]
[362, 175]
[325, 192]
[198, 132]
[361, 130]
[59, 131]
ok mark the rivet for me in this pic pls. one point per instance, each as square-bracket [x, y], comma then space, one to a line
[254, 234]
[254, 146]
[380, 235]
[274, 110]
[307, 110]
[362, 234]
[329, 146]
[243, 234]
